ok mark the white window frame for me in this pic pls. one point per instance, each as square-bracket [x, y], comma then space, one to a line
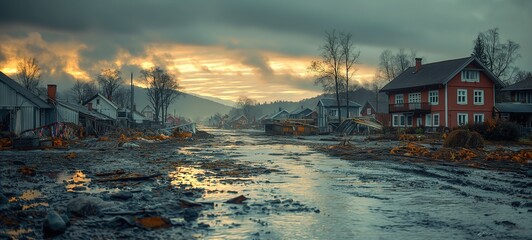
[368, 111]
[419, 121]
[470, 76]
[434, 97]
[428, 120]
[399, 99]
[481, 96]
[481, 115]
[414, 97]
[436, 120]
[458, 95]
[333, 112]
[394, 118]
[466, 119]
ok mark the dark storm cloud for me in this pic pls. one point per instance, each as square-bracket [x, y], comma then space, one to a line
[437, 29]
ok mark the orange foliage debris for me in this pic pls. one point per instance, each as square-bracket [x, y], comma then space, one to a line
[155, 222]
[103, 139]
[5, 143]
[28, 171]
[71, 155]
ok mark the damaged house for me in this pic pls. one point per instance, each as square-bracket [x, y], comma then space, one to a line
[20, 109]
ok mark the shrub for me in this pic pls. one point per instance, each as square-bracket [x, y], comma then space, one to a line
[505, 131]
[462, 138]
[410, 130]
[420, 130]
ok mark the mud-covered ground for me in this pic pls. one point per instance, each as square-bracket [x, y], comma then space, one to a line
[245, 185]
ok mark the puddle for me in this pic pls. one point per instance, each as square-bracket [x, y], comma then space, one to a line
[78, 181]
[28, 199]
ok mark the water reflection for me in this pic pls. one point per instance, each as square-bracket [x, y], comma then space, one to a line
[28, 198]
[79, 182]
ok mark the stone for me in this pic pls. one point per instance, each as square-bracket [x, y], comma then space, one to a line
[3, 199]
[53, 224]
[121, 196]
[190, 214]
[516, 204]
[85, 206]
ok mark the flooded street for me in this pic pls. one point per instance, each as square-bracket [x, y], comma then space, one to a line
[315, 196]
[247, 185]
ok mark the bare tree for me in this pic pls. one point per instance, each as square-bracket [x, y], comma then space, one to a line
[349, 58]
[521, 75]
[110, 80]
[162, 90]
[327, 70]
[479, 50]
[122, 97]
[500, 57]
[82, 91]
[391, 65]
[247, 107]
[29, 74]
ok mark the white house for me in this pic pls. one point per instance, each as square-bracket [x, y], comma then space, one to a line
[328, 112]
[20, 109]
[103, 105]
[148, 112]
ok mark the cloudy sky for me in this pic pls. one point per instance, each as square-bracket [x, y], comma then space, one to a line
[230, 48]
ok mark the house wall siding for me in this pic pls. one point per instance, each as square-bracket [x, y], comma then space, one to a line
[67, 115]
[104, 108]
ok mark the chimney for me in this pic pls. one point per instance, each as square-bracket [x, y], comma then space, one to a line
[52, 92]
[89, 106]
[418, 64]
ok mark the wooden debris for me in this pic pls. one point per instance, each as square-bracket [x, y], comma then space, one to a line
[237, 200]
[71, 155]
[28, 171]
[116, 172]
[130, 177]
[183, 203]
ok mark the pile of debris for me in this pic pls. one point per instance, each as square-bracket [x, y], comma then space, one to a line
[411, 149]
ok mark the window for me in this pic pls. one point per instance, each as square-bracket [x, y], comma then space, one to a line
[478, 117]
[462, 96]
[505, 116]
[414, 99]
[97, 101]
[433, 97]
[436, 120]
[462, 119]
[409, 120]
[470, 76]
[368, 111]
[478, 97]
[399, 99]
[419, 122]
[333, 112]
[402, 120]
[395, 121]
[428, 120]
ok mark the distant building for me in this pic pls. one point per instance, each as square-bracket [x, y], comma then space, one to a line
[281, 115]
[148, 112]
[103, 105]
[520, 109]
[300, 113]
[20, 109]
[328, 113]
[239, 121]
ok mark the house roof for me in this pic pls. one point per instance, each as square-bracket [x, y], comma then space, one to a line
[329, 102]
[148, 107]
[525, 84]
[32, 97]
[239, 117]
[104, 98]
[83, 110]
[514, 107]
[369, 104]
[434, 74]
[300, 110]
[282, 111]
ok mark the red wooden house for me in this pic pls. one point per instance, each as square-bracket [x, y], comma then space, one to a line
[448, 93]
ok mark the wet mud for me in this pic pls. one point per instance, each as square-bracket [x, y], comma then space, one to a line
[245, 185]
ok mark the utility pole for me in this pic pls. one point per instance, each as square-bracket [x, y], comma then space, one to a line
[132, 107]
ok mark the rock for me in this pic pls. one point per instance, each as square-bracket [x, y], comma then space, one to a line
[122, 196]
[3, 199]
[190, 214]
[79, 188]
[516, 204]
[130, 145]
[238, 200]
[53, 224]
[85, 206]
[184, 203]
[527, 205]
[20, 163]
[120, 221]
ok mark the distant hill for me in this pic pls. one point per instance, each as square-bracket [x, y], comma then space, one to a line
[186, 105]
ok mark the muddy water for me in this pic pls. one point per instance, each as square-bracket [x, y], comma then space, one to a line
[315, 196]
